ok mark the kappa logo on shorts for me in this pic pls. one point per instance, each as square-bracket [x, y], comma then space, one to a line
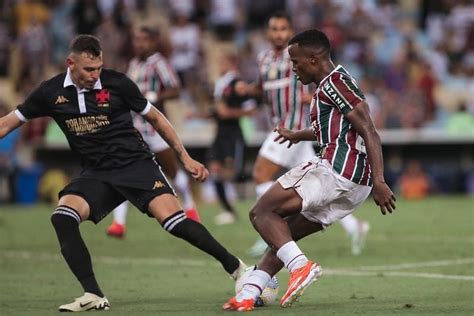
[61, 100]
[158, 184]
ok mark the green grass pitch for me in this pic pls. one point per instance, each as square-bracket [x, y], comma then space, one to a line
[418, 261]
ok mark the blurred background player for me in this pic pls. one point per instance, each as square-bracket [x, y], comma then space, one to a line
[289, 102]
[157, 82]
[226, 155]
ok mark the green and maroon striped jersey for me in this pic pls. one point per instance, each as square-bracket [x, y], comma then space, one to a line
[342, 146]
[282, 90]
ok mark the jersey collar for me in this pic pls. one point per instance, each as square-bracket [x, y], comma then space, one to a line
[68, 82]
[337, 68]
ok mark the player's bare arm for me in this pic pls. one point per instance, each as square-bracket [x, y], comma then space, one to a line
[166, 130]
[359, 117]
[293, 137]
[8, 123]
[169, 93]
[243, 88]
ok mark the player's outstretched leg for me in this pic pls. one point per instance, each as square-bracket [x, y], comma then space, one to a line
[357, 231]
[66, 222]
[197, 235]
[267, 216]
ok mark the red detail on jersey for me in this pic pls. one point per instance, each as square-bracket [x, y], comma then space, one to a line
[103, 96]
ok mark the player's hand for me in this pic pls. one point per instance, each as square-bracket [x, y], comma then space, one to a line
[285, 135]
[383, 197]
[196, 169]
[242, 88]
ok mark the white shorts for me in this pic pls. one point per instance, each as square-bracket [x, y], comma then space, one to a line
[155, 142]
[150, 136]
[284, 156]
[327, 196]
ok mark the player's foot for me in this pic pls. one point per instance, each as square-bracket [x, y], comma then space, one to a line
[358, 237]
[300, 279]
[243, 306]
[258, 249]
[193, 214]
[225, 218]
[116, 230]
[239, 272]
[87, 302]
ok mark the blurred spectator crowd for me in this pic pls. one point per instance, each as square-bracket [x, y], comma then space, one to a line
[414, 59]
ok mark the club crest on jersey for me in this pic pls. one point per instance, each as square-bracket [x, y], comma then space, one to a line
[61, 100]
[272, 73]
[102, 97]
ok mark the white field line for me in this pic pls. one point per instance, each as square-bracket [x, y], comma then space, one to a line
[338, 272]
[401, 266]
[372, 271]
[421, 238]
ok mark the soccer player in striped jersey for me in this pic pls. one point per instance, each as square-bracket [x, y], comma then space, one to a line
[312, 196]
[289, 101]
[158, 82]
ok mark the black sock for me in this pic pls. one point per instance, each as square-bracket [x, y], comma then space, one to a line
[222, 195]
[197, 235]
[66, 223]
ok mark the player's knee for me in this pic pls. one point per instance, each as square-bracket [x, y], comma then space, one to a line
[64, 217]
[257, 176]
[254, 215]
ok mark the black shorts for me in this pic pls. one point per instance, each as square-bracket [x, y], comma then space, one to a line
[104, 191]
[228, 148]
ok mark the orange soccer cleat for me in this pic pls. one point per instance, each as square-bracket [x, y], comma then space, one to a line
[300, 279]
[116, 230]
[234, 305]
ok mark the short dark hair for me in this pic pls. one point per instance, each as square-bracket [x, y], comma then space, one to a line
[150, 31]
[279, 15]
[86, 43]
[313, 39]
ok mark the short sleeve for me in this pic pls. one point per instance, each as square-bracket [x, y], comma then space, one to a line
[343, 91]
[132, 96]
[34, 106]
[167, 75]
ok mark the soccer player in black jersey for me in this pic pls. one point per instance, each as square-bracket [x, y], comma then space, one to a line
[92, 107]
[226, 152]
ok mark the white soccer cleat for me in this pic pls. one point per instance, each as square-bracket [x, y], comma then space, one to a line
[87, 302]
[258, 249]
[358, 238]
[225, 218]
[240, 271]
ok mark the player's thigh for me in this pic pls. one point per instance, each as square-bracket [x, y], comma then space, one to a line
[93, 198]
[284, 202]
[149, 185]
[168, 162]
[265, 170]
